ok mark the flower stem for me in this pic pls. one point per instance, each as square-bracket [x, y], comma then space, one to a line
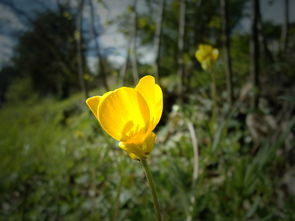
[152, 187]
[214, 97]
[214, 104]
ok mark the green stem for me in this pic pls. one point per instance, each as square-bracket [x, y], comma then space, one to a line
[214, 96]
[214, 103]
[152, 187]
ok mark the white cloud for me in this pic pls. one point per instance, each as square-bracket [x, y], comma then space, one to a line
[146, 55]
[92, 63]
[274, 11]
[9, 20]
[6, 45]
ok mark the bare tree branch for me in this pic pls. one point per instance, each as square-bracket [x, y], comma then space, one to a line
[285, 28]
[180, 46]
[79, 19]
[158, 37]
[254, 50]
[133, 45]
[97, 47]
[226, 47]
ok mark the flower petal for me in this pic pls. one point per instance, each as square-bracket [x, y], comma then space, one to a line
[93, 103]
[203, 52]
[152, 93]
[124, 114]
[199, 55]
[149, 143]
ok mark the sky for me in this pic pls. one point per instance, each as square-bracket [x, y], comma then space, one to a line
[111, 40]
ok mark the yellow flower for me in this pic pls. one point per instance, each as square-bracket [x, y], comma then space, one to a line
[130, 115]
[206, 55]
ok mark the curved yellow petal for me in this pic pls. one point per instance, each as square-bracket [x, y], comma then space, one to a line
[205, 52]
[206, 55]
[199, 55]
[124, 115]
[93, 103]
[149, 144]
[152, 93]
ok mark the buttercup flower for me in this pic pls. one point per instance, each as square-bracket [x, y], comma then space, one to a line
[206, 55]
[130, 115]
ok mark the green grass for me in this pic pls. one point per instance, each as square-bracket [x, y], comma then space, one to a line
[56, 163]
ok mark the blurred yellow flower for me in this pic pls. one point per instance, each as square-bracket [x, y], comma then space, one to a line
[130, 115]
[206, 55]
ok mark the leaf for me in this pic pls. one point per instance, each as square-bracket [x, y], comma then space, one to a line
[217, 136]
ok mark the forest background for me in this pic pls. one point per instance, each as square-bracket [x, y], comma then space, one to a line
[225, 143]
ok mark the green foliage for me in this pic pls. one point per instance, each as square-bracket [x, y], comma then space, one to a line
[57, 163]
[20, 90]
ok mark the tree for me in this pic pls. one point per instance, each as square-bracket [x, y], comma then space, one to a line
[254, 50]
[158, 38]
[180, 46]
[226, 47]
[79, 37]
[263, 39]
[97, 47]
[47, 53]
[285, 27]
[133, 45]
[129, 28]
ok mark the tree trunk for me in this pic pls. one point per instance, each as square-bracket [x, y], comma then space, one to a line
[97, 47]
[263, 40]
[226, 46]
[285, 27]
[158, 36]
[79, 18]
[180, 47]
[254, 50]
[124, 68]
[133, 46]
[198, 25]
